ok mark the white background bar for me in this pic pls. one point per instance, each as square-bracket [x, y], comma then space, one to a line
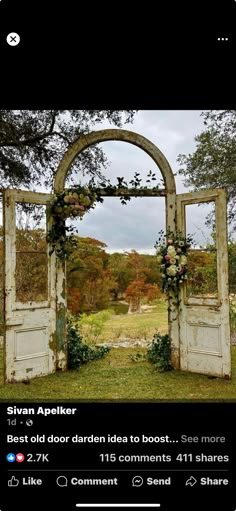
[118, 505]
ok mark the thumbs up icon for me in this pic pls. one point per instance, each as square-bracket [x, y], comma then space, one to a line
[13, 481]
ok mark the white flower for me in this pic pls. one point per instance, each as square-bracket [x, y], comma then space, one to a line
[181, 243]
[171, 270]
[172, 260]
[183, 260]
[171, 251]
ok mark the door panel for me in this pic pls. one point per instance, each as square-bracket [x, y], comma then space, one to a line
[29, 308]
[204, 316]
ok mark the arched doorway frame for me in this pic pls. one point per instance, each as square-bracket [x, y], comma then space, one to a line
[199, 328]
[169, 192]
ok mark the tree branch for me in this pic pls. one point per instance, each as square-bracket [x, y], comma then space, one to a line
[33, 140]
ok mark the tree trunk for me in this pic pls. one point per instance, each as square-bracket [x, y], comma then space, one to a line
[135, 306]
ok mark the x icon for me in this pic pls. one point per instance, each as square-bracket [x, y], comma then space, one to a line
[13, 39]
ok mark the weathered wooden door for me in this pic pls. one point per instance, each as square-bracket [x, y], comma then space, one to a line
[29, 290]
[204, 313]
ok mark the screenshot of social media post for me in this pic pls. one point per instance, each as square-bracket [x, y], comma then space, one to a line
[118, 308]
[118, 455]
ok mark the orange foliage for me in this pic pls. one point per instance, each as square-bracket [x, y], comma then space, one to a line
[73, 300]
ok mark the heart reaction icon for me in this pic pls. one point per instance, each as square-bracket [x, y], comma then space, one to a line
[20, 457]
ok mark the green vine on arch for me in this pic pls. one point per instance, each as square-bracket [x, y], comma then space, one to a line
[75, 202]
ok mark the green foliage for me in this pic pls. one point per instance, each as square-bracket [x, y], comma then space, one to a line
[202, 272]
[92, 325]
[232, 266]
[116, 377]
[70, 203]
[79, 352]
[159, 352]
[137, 326]
[232, 313]
[32, 143]
[213, 163]
[119, 308]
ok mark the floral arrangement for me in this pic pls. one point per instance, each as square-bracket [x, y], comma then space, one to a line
[172, 251]
[70, 203]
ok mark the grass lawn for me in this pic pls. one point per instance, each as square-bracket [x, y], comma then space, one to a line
[117, 377]
[136, 326]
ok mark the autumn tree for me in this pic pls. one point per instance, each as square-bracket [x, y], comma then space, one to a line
[31, 265]
[139, 287]
[137, 290]
[202, 271]
[121, 272]
[88, 272]
[31, 274]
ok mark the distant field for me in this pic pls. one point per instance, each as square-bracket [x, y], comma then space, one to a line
[137, 326]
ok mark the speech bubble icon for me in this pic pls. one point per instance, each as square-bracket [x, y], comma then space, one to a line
[62, 481]
[137, 481]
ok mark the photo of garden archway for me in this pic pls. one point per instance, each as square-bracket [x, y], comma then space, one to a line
[130, 280]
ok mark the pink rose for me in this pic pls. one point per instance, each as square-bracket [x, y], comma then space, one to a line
[167, 257]
[178, 250]
[170, 242]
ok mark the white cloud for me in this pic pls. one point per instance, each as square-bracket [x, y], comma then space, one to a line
[137, 224]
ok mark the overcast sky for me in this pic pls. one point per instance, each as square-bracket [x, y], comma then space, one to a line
[136, 225]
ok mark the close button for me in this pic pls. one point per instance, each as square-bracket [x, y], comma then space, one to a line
[13, 39]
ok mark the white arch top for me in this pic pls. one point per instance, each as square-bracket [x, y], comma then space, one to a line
[95, 137]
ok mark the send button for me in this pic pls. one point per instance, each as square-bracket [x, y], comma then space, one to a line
[159, 482]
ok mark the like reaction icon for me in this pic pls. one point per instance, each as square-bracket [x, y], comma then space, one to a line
[13, 481]
[10, 457]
